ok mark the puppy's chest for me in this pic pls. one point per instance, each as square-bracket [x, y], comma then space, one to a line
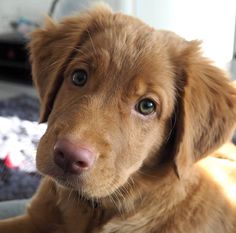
[112, 226]
[97, 221]
[128, 225]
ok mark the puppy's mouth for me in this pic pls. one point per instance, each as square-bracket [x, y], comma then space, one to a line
[88, 187]
[78, 171]
[68, 181]
[94, 197]
[85, 185]
[78, 194]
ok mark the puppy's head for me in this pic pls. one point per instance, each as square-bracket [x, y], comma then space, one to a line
[120, 97]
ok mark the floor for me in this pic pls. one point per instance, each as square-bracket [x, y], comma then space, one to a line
[9, 89]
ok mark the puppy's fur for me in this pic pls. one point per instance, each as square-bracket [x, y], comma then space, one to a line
[149, 174]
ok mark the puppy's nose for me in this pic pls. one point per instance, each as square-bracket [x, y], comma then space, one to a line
[72, 158]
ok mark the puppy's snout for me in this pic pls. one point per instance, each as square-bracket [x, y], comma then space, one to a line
[72, 158]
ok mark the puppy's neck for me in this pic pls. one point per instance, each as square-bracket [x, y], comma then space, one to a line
[159, 193]
[153, 189]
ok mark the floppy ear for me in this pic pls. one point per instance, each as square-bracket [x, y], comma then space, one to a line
[47, 56]
[54, 46]
[206, 108]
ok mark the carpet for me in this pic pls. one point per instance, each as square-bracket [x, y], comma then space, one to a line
[19, 136]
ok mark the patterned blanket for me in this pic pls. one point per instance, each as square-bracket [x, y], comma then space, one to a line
[19, 136]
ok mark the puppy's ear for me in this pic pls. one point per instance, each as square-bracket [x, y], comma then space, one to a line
[47, 56]
[206, 108]
[54, 46]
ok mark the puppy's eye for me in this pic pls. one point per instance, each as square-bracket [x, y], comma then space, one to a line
[146, 106]
[79, 77]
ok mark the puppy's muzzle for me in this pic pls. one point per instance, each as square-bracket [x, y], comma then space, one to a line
[72, 158]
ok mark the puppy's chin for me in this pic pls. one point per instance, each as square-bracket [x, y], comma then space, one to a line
[86, 186]
[66, 184]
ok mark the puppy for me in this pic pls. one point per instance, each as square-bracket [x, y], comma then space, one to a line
[131, 114]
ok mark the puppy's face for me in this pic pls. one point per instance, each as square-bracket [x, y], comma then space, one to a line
[116, 96]
[111, 113]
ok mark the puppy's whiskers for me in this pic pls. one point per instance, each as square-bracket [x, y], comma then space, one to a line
[172, 126]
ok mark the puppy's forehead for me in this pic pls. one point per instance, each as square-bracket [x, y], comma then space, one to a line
[126, 59]
[130, 45]
[121, 48]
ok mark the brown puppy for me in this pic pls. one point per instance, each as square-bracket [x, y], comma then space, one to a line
[131, 111]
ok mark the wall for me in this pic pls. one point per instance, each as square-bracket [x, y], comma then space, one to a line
[11, 10]
[66, 7]
[211, 21]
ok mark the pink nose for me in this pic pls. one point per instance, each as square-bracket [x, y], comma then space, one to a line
[72, 158]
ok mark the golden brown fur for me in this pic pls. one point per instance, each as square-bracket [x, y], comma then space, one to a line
[149, 175]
